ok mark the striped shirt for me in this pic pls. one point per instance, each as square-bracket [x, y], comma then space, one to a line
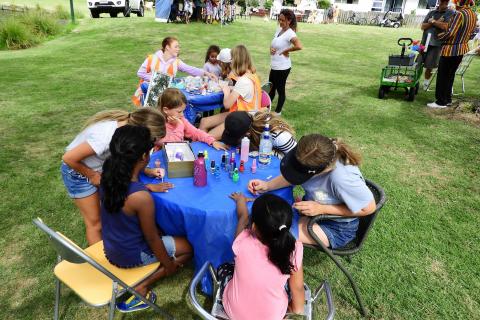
[460, 30]
[282, 142]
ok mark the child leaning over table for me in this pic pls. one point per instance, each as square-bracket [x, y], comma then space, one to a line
[267, 257]
[172, 104]
[129, 232]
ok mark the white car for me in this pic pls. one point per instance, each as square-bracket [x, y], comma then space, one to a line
[113, 7]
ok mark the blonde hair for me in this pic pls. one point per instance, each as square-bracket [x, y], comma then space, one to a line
[259, 120]
[241, 61]
[315, 150]
[145, 117]
[226, 69]
[171, 98]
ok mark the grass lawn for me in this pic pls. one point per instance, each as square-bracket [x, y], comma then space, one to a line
[421, 258]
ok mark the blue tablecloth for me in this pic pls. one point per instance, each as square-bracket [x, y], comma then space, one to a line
[199, 103]
[206, 215]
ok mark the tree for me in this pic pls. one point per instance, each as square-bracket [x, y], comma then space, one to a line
[253, 3]
[268, 4]
[323, 4]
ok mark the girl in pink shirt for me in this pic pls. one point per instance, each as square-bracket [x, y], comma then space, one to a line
[172, 104]
[267, 256]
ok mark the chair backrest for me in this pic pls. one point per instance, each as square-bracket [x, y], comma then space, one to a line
[467, 59]
[267, 86]
[71, 252]
[366, 222]
[266, 101]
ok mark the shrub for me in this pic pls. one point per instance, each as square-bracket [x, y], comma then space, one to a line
[268, 4]
[323, 4]
[253, 3]
[62, 13]
[15, 35]
[41, 23]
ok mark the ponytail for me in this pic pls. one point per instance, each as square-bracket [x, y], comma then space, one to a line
[272, 217]
[129, 144]
[108, 115]
[346, 154]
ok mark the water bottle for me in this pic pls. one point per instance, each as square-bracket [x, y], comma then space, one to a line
[265, 148]
[199, 171]
[245, 149]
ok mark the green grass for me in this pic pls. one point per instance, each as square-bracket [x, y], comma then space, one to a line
[421, 258]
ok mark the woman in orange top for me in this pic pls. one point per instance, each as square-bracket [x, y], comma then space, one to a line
[244, 96]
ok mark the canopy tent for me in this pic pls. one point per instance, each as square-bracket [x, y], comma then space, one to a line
[162, 10]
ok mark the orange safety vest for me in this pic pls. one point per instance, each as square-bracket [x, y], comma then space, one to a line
[255, 104]
[153, 63]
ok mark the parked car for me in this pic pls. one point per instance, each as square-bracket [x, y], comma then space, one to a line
[114, 7]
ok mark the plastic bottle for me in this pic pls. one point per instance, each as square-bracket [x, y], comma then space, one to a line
[265, 148]
[235, 176]
[199, 171]
[224, 160]
[245, 149]
[212, 167]
[254, 166]
[217, 172]
[242, 166]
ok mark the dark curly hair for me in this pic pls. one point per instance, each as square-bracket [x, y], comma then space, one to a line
[129, 143]
[273, 218]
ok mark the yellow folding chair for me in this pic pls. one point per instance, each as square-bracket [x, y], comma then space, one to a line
[91, 276]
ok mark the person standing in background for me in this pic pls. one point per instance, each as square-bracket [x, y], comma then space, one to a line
[284, 41]
[459, 32]
[435, 21]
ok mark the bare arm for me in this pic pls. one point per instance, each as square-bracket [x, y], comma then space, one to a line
[298, 293]
[73, 158]
[296, 46]
[313, 208]
[229, 97]
[425, 26]
[242, 211]
[257, 186]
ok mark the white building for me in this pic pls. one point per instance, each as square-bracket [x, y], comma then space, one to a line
[407, 6]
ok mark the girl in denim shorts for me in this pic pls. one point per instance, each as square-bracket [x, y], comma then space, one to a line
[327, 169]
[82, 162]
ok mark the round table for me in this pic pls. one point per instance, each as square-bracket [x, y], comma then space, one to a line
[206, 215]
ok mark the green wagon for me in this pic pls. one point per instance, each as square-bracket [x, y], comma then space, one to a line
[401, 72]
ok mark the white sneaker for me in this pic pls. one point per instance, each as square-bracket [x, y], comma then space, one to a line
[434, 105]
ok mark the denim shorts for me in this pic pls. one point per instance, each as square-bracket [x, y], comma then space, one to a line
[168, 242]
[339, 233]
[77, 184]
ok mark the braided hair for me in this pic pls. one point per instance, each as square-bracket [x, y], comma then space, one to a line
[129, 144]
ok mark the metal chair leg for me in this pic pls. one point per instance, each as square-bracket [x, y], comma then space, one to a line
[57, 293]
[111, 311]
[352, 283]
[57, 299]
[463, 85]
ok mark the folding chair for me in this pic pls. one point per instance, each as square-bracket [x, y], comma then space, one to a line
[365, 224]
[462, 68]
[267, 86]
[89, 274]
[266, 101]
[218, 312]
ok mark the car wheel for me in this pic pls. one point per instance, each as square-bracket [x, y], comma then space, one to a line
[141, 11]
[127, 10]
[113, 14]
[396, 25]
[94, 13]
[411, 94]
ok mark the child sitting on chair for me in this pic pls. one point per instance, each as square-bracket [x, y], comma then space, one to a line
[267, 257]
[240, 123]
[129, 232]
[172, 104]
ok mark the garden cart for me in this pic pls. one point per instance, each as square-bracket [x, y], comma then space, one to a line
[401, 72]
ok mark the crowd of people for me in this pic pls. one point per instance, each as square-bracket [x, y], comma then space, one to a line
[101, 169]
[208, 11]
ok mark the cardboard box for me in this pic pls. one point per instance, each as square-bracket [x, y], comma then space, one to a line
[179, 168]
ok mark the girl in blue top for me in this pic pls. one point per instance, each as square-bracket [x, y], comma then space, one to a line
[327, 169]
[129, 232]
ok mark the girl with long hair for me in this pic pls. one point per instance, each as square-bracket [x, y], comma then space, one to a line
[327, 169]
[165, 61]
[172, 104]
[240, 123]
[82, 162]
[244, 96]
[284, 41]
[130, 236]
[267, 256]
